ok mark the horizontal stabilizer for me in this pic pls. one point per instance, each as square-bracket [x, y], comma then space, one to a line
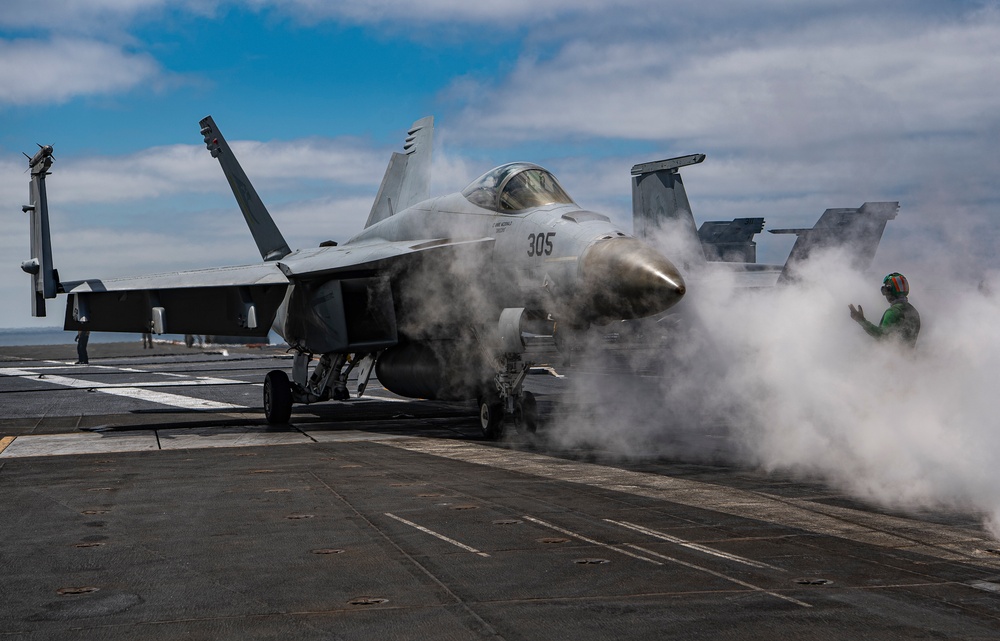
[858, 231]
[269, 240]
[670, 165]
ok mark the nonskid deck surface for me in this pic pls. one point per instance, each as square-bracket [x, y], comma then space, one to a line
[145, 497]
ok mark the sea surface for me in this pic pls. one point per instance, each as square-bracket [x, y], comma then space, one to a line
[59, 336]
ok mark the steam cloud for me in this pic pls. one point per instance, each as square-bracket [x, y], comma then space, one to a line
[788, 382]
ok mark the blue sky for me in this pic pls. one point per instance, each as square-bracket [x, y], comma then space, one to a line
[799, 107]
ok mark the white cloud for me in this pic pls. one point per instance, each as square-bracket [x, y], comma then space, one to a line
[274, 167]
[517, 13]
[819, 85]
[105, 17]
[56, 70]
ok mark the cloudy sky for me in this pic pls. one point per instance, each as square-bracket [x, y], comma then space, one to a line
[799, 107]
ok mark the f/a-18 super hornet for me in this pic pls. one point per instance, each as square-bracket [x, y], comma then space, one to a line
[434, 295]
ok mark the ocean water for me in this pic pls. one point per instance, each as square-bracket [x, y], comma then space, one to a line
[58, 336]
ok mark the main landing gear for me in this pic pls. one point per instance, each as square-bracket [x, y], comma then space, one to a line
[328, 381]
[277, 397]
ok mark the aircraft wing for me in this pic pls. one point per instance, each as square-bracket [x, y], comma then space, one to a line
[228, 301]
[232, 301]
[369, 257]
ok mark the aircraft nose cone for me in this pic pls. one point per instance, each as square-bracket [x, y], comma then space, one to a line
[625, 279]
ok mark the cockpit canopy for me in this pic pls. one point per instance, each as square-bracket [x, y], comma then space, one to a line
[514, 187]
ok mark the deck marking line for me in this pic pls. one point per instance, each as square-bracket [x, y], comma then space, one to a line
[756, 588]
[173, 400]
[589, 540]
[941, 541]
[440, 536]
[128, 390]
[988, 586]
[78, 382]
[695, 546]
[5, 441]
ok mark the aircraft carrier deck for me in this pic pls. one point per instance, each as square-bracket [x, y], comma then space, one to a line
[144, 497]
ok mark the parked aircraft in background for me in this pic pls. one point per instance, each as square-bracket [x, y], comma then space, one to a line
[660, 204]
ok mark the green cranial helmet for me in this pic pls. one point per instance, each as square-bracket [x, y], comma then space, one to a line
[896, 285]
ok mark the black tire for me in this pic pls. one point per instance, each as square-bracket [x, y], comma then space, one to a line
[526, 417]
[277, 397]
[491, 417]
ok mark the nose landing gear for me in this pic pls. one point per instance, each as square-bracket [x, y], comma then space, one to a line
[491, 416]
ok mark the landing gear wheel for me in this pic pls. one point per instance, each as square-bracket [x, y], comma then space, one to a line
[526, 414]
[491, 416]
[277, 397]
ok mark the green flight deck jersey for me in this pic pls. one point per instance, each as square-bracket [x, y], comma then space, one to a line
[900, 322]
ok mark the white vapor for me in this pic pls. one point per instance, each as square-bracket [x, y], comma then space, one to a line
[792, 384]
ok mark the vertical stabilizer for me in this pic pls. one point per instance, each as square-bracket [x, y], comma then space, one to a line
[417, 177]
[858, 231]
[44, 281]
[659, 201]
[407, 178]
[269, 240]
[387, 200]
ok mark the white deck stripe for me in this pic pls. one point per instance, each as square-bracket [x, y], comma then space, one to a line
[135, 390]
[753, 587]
[39, 375]
[173, 400]
[695, 546]
[940, 541]
[589, 540]
[435, 534]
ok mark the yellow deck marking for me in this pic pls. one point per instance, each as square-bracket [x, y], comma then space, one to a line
[5, 441]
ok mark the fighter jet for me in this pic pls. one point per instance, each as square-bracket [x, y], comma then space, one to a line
[434, 295]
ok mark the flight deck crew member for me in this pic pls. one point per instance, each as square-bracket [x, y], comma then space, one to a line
[901, 321]
[81, 339]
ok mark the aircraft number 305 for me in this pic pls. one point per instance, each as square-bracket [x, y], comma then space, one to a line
[540, 244]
